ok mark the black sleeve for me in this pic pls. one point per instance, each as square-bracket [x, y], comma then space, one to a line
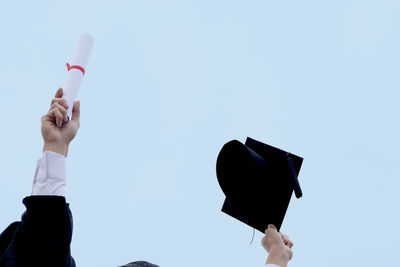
[43, 236]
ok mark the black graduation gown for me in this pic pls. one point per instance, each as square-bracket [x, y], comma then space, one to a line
[42, 237]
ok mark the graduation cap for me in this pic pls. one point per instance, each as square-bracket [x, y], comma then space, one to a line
[258, 181]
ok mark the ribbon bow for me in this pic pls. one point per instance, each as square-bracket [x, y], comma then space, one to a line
[69, 67]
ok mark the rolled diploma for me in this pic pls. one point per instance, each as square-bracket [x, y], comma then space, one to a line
[75, 76]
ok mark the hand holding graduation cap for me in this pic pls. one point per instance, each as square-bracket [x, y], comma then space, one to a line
[258, 181]
[278, 246]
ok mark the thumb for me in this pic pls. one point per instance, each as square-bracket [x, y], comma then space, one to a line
[76, 111]
[271, 226]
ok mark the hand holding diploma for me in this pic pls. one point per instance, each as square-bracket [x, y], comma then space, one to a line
[57, 136]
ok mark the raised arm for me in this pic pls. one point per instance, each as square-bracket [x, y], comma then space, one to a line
[44, 234]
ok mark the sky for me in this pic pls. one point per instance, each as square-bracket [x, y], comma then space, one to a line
[169, 82]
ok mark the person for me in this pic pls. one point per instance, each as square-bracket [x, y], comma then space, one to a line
[43, 236]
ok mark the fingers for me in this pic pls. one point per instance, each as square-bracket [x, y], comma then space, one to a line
[61, 104]
[58, 111]
[286, 240]
[55, 114]
[271, 238]
[76, 111]
[62, 109]
[61, 101]
[59, 93]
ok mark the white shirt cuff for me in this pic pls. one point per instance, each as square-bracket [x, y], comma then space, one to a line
[50, 175]
[271, 265]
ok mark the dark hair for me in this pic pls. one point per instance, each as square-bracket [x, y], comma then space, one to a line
[140, 264]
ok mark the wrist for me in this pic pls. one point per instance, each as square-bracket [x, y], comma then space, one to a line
[278, 255]
[60, 148]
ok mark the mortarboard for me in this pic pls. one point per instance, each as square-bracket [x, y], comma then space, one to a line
[258, 181]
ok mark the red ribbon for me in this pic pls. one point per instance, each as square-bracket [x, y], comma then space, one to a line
[69, 67]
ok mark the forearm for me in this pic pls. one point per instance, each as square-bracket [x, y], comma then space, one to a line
[278, 256]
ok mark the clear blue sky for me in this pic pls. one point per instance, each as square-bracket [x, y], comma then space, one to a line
[169, 82]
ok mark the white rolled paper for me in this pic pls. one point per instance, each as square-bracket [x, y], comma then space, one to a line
[76, 70]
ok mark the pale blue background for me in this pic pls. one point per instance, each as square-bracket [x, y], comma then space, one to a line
[169, 82]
